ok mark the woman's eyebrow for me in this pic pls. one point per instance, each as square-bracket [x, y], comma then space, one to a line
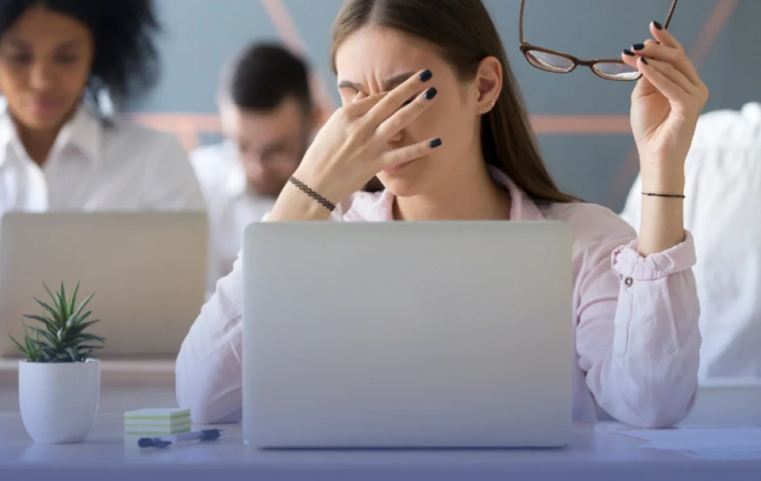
[71, 44]
[68, 44]
[396, 80]
[347, 84]
[388, 84]
[17, 43]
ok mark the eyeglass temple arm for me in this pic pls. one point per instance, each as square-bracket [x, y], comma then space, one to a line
[670, 14]
[522, 16]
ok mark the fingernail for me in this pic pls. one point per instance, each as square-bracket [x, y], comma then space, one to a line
[628, 52]
[644, 60]
[638, 46]
[436, 143]
[431, 93]
[426, 76]
[657, 25]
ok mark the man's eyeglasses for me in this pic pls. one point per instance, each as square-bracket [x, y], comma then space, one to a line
[560, 62]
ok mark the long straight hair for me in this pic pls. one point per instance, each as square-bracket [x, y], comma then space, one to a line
[465, 34]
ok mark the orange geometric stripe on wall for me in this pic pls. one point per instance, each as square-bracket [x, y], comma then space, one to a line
[190, 127]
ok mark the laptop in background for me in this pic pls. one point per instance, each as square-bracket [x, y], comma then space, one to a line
[407, 335]
[148, 272]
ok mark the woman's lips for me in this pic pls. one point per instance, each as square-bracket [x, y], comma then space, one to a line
[46, 106]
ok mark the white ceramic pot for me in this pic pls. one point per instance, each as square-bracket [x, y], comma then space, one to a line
[59, 401]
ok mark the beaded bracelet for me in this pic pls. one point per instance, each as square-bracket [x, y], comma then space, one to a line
[311, 193]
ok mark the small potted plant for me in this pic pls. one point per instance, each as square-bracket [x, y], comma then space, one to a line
[59, 383]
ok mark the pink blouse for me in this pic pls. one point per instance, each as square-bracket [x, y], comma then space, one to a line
[636, 321]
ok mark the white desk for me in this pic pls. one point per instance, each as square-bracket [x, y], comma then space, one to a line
[596, 453]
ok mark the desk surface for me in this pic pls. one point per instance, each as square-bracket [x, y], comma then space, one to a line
[596, 452]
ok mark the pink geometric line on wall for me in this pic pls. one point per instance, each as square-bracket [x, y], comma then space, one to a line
[289, 33]
[189, 127]
[581, 124]
[712, 28]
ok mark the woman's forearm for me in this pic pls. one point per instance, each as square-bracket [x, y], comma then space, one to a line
[295, 205]
[666, 104]
[662, 223]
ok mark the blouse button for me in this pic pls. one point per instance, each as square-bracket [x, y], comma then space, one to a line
[629, 282]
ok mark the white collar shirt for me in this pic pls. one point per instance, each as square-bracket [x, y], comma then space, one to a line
[95, 166]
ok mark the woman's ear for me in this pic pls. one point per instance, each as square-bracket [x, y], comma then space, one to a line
[489, 79]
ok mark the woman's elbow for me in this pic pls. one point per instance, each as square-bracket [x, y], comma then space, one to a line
[666, 415]
[662, 410]
[203, 408]
[213, 397]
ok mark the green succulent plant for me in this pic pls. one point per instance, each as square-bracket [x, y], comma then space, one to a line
[60, 336]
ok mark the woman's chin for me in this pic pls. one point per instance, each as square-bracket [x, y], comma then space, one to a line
[402, 186]
[405, 179]
[36, 120]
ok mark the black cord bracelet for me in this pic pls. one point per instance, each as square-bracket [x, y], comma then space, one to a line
[666, 196]
[311, 193]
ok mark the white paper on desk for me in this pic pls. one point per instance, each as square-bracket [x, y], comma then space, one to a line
[704, 443]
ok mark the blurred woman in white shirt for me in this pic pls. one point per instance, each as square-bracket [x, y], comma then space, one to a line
[61, 64]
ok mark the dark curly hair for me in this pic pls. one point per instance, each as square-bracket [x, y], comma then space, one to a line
[126, 58]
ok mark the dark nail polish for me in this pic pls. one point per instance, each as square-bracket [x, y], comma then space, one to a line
[436, 143]
[644, 60]
[657, 25]
[638, 46]
[426, 76]
[431, 93]
[628, 52]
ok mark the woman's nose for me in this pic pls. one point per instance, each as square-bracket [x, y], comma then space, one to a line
[40, 76]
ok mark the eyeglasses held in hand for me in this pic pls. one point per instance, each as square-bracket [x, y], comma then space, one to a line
[560, 62]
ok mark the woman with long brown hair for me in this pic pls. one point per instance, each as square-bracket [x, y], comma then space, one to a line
[431, 108]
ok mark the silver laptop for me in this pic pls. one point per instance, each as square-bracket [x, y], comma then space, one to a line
[147, 271]
[394, 335]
